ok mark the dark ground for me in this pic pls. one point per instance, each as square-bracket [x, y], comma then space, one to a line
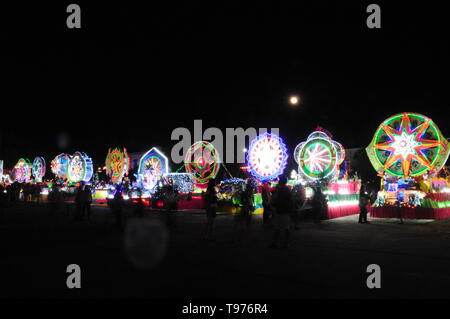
[326, 260]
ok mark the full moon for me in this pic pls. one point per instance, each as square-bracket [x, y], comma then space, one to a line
[293, 100]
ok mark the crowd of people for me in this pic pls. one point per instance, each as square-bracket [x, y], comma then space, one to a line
[282, 206]
[21, 191]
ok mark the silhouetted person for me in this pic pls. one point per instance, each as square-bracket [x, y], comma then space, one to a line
[318, 204]
[170, 204]
[86, 202]
[211, 208]
[283, 205]
[242, 218]
[266, 197]
[139, 207]
[299, 198]
[117, 208]
[37, 193]
[79, 203]
[363, 201]
[398, 210]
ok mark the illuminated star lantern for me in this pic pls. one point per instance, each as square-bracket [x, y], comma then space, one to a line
[38, 169]
[319, 157]
[404, 145]
[408, 145]
[22, 170]
[117, 164]
[152, 166]
[267, 157]
[202, 160]
[59, 165]
[80, 168]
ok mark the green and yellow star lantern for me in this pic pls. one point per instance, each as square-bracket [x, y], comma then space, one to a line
[408, 145]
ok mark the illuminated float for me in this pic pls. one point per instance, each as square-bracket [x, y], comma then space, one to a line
[38, 169]
[183, 182]
[152, 167]
[59, 166]
[229, 193]
[266, 160]
[408, 151]
[319, 157]
[267, 157]
[22, 171]
[117, 164]
[319, 160]
[80, 168]
[202, 161]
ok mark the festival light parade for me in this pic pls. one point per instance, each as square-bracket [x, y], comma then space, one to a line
[220, 160]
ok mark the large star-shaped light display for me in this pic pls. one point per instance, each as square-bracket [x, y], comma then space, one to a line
[406, 144]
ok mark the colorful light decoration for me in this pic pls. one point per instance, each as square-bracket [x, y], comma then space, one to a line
[59, 165]
[202, 161]
[408, 145]
[152, 166]
[80, 168]
[38, 169]
[22, 171]
[319, 157]
[267, 157]
[183, 182]
[117, 164]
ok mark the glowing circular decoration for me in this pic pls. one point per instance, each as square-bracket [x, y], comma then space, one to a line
[80, 168]
[340, 152]
[202, 161]
[152, 166]
[117, 164]
[59, 165]
[38, 169]
[297, 151]
[267, 157]
[408, 145]
[319, 157]
[22, 170]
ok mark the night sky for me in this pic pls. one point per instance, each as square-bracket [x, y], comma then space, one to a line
[132, 74]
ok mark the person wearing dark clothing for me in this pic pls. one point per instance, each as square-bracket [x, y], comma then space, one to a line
[170, 204]
[363, 201]
[398, 210]
[86, 202]
[283, 205]
[318, 204]
[79, 203]
[116, 206]
[299, 198]
[242, 219]
[139, 207]
[211, 208]
[266, 197]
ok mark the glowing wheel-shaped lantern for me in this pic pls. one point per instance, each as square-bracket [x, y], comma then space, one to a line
[117, 164]
[22, 170]
[267, 157]
[38, 169]
[80, 168]
[408, 145]
[152, 166]
[59, 165]
[319, 157]
[202, 161]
